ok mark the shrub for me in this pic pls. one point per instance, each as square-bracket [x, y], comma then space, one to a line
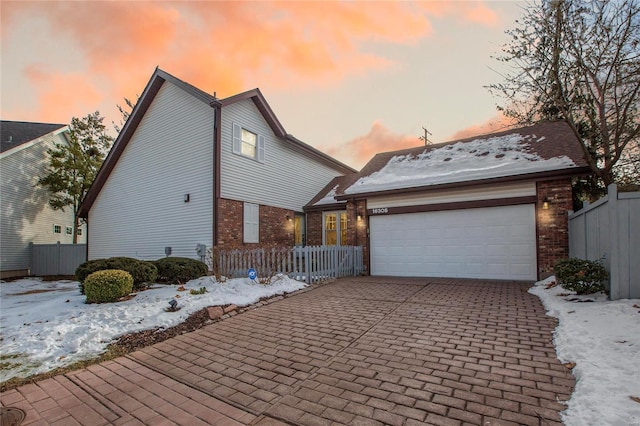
[107, 285]
[179, 270]
[141, 271]
[581, 276]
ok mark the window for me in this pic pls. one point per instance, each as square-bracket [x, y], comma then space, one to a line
[57, 229]
[299, 230]
[251, 223]
[79, 232]
[335, 228]
[248, 143]
[68, 230]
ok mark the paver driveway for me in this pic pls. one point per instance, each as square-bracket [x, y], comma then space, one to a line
[358, 351]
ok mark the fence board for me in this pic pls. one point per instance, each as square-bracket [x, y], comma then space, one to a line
[56, 259]
[609, 229]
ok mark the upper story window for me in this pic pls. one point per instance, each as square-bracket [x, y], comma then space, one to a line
[69, 230]
[57, 229]
[248, 143]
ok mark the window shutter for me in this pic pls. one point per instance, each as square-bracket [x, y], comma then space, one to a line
[251, 223]
[260, 148]
[237, 138]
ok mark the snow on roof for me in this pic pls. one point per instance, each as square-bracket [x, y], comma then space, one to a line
[483, 158]
[329, 197]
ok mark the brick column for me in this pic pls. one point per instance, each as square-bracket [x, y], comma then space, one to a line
[552, 224]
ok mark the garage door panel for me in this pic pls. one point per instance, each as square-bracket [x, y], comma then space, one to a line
[494, 242]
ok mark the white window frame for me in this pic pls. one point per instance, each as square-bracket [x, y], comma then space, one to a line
[79, 232]
[57, 229]
[238, 142]
[338, 229]
[251, 227]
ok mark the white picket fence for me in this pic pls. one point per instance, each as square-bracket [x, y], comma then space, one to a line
[309, 264]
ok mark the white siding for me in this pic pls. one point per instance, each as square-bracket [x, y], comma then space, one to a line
[288, 178]
[521, 189]
[141, 208]
[25, 215]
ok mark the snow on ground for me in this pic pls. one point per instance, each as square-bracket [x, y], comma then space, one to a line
[507, 155]
[45, 325]
[603, 339]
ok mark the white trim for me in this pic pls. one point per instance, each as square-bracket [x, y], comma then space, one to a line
[518, 189]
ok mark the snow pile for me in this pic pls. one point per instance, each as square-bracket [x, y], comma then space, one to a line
[507, 155]
[603, 339]
[329, 198]
[45, 325]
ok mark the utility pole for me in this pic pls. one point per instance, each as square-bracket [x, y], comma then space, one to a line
[425, 138]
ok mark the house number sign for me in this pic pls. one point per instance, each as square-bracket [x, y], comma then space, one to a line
[380, 210]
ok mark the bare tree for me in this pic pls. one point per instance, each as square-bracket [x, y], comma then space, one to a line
[579, 60]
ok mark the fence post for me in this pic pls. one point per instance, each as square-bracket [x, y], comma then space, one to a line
[614, 244]
[307, 263]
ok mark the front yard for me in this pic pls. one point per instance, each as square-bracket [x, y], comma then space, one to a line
[47, 325]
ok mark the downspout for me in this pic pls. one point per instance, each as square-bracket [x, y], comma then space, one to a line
[217, 137]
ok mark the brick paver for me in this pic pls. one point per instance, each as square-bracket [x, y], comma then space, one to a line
[358, 351]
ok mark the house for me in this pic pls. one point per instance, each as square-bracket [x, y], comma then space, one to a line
[493, 206]
[25, 214]
[190, 169]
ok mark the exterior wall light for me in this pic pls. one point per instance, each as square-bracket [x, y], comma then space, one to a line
[545, 204]
[288, 218]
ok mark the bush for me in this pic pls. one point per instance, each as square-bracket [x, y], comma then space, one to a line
[581, 276]
[143, 272]
[108, 285]
[179, 270]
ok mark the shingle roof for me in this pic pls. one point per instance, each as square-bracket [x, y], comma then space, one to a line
[546, 148]
[15, 133]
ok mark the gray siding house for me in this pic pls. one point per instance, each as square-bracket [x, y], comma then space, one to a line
[190, 169]
[25, 215]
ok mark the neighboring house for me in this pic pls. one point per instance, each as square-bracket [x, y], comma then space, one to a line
[190, 169]
[494, 206]
[25, 214]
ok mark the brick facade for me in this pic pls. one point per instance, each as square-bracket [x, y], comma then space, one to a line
[274, 227]
[356, 229]
[314, 228]
[552, 224]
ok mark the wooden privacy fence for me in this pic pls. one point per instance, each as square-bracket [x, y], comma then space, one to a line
[56, 259]
[609, 229]
[309, 264]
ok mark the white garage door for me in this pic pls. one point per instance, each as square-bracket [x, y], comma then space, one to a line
[492, 242]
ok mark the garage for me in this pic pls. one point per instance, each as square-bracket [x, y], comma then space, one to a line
[488, 242]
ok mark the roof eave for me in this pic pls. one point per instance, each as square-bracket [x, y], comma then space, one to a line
[572, 172]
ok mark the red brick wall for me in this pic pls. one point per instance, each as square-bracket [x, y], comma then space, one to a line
[274, 226]
[314, 229]
[357, 229]
[553, 224]
[230, 223]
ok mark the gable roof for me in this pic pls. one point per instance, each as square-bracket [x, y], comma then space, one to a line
[544, 149]
[16, 133]
[158, 78]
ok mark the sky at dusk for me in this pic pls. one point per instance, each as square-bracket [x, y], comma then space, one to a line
[349, 78]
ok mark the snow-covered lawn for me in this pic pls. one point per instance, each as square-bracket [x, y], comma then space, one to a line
[602, 338]
[45, 325]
